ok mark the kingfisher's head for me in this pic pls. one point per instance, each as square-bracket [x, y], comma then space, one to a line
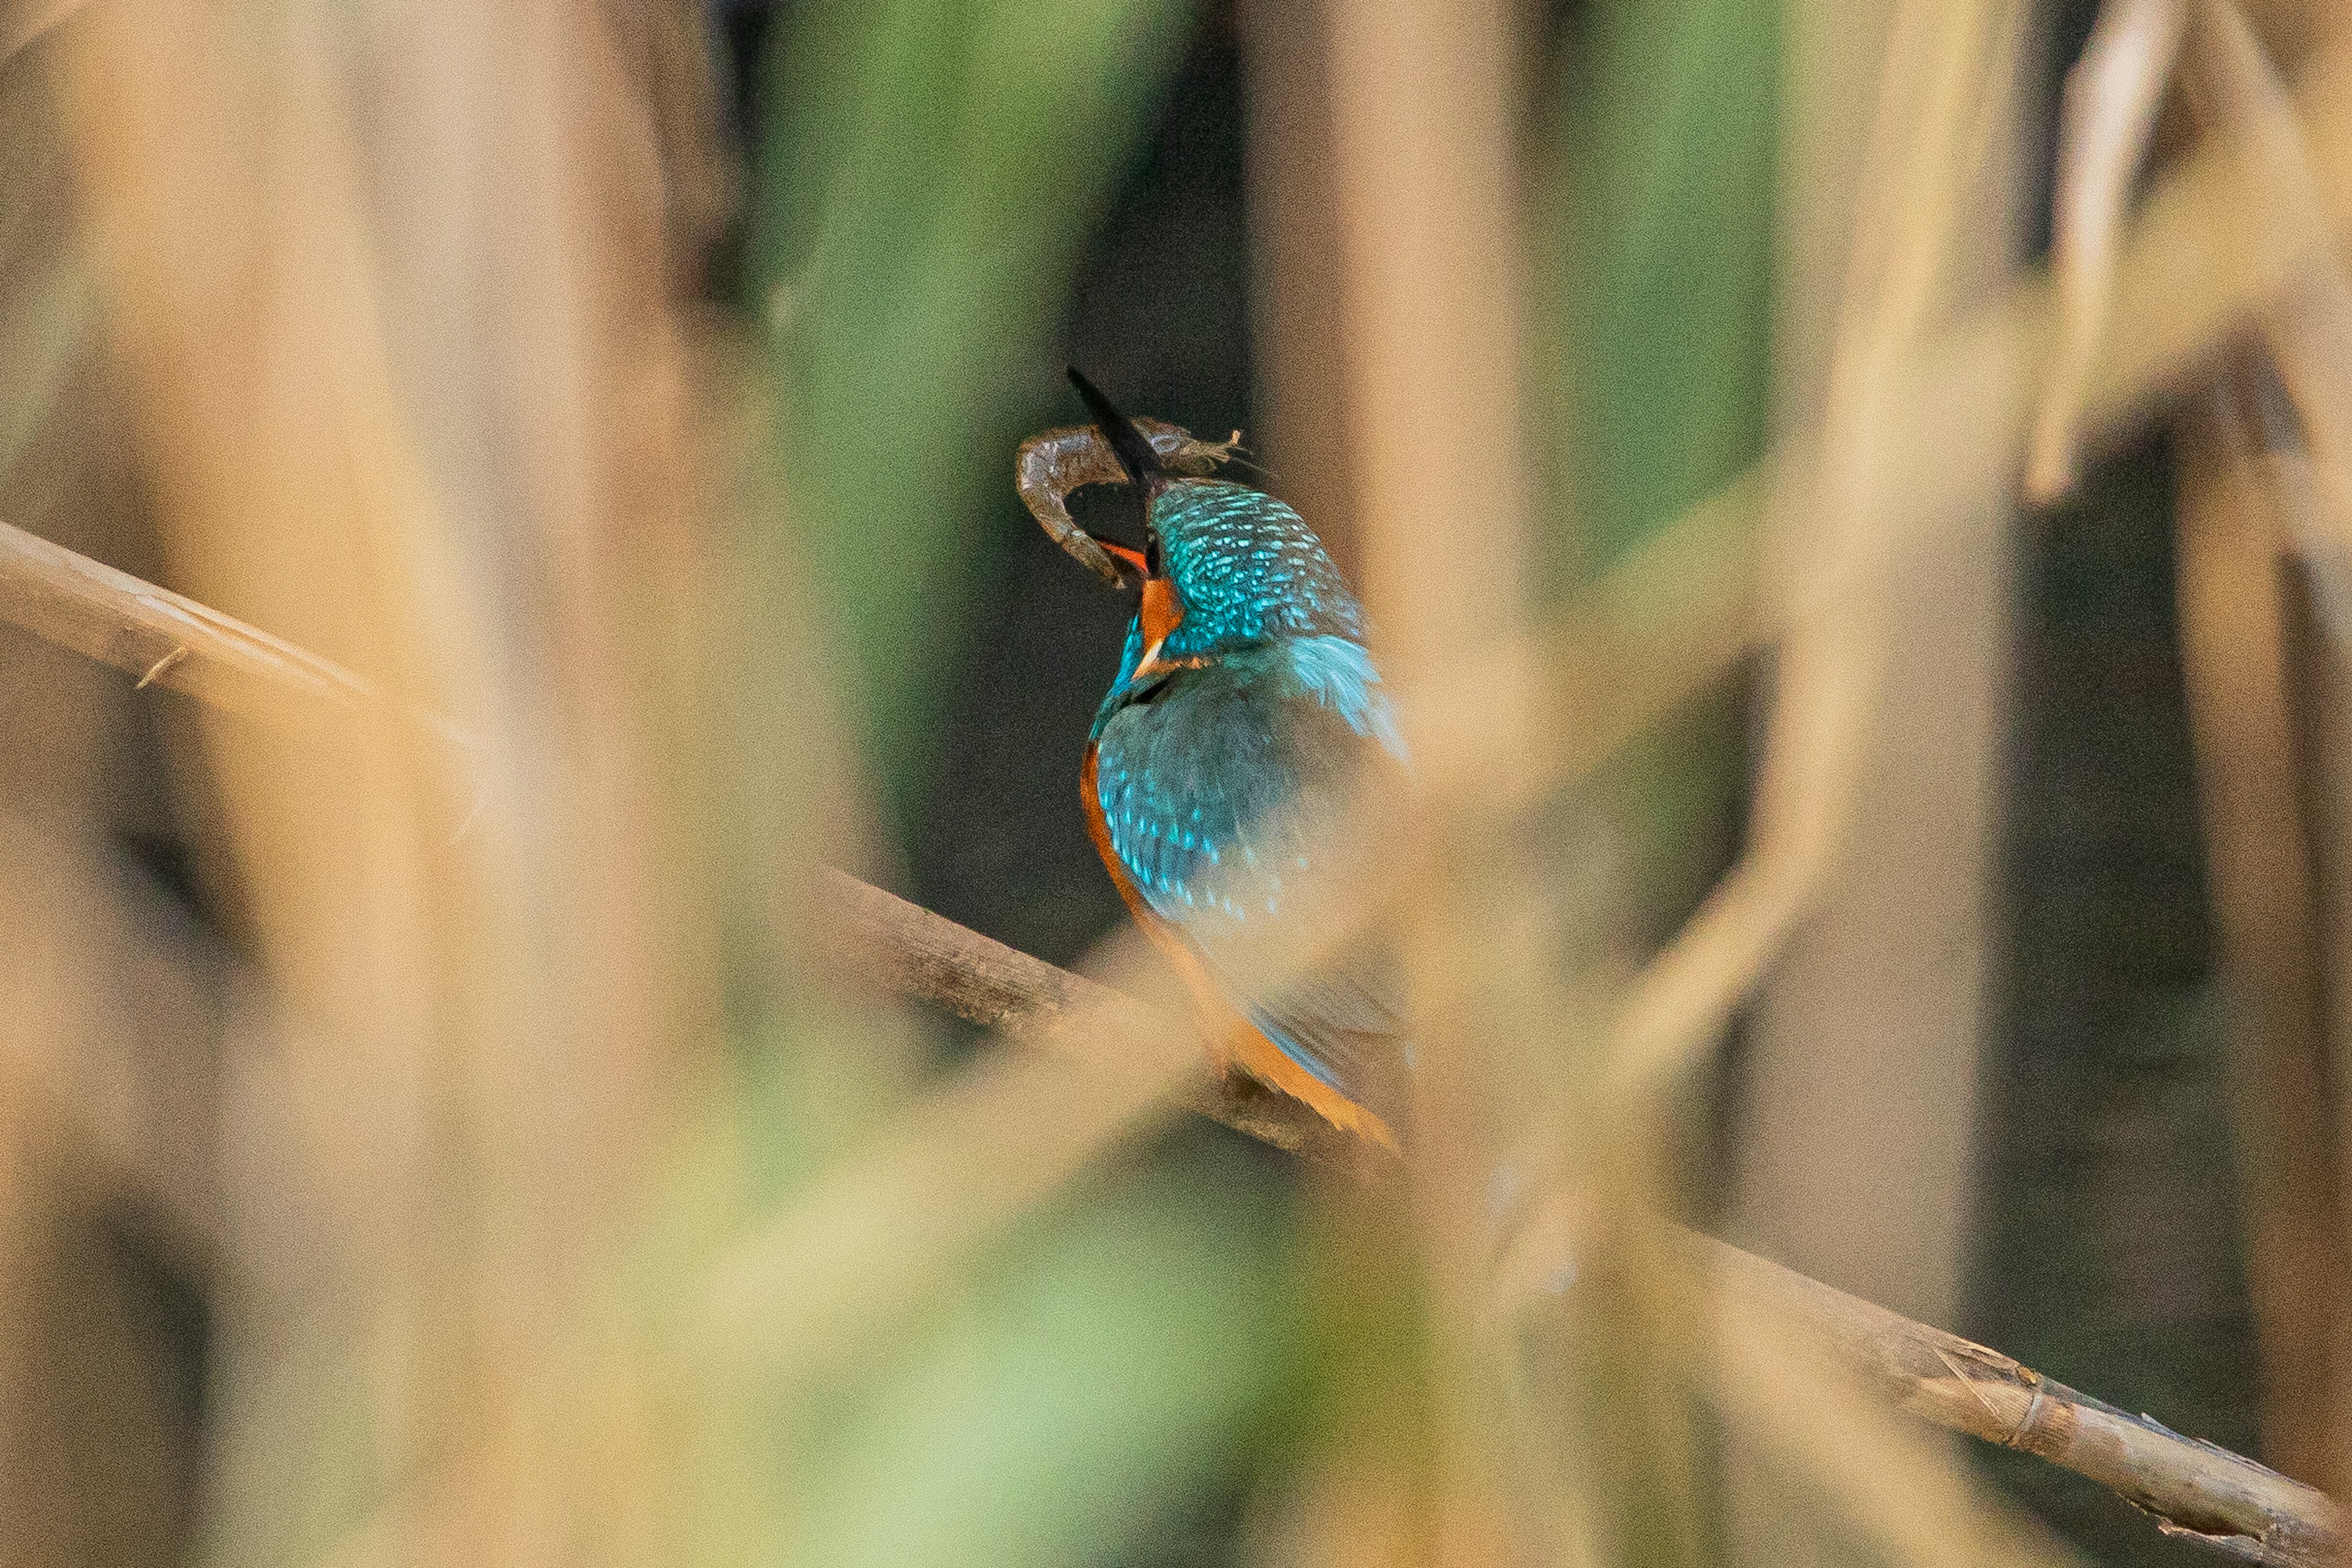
[1222, 564]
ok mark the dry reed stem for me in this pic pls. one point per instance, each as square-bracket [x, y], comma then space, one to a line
[2199, 263]
[1943, 77]
[2234, 645]
[2105, 119]
[933, 959]
[282, 460]
[2308, 330]
[1431, 275]
[2234, 633]
[1939, 57]
[2207, 253]
[150, 632]
[503, 1002]
[2113, 94]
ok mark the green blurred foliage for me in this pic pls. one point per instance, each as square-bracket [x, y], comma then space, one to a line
[932, 170]
[1656, 224]
[1662, 310]
[1101, 1383]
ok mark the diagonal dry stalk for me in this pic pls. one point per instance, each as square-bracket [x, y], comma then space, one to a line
[2113, 93]
[2112, 98]
[2308, 329]
[1945, 81]
[1940, 57]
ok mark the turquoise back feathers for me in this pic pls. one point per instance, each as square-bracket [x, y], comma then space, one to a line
[1216, 764]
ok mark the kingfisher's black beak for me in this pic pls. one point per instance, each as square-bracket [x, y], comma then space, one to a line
[1130, 445]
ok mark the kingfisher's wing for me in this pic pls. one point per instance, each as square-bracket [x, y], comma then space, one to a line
[1212, 787]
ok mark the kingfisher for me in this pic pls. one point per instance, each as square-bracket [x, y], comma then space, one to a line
[1245, 702]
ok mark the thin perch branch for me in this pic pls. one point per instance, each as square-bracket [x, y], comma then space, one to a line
[168, 639]
[879, 938]
[2192, 1487]
[161, 636]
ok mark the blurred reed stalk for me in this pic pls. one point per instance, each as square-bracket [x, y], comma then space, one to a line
[2237, 597]
[1900, 201]
[2238, 526]
[2234, 626]
[491, 1006]
[1430, 262]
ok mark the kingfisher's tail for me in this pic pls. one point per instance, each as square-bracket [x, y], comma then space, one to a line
[1129, 444]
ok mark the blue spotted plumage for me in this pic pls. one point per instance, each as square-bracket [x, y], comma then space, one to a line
[1245, 702]
[1210, 784]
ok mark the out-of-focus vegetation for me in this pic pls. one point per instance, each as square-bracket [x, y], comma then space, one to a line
[929, 175]
[443, 1141]
[1659, 204]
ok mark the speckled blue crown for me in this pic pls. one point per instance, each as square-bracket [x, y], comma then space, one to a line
[1247, 568]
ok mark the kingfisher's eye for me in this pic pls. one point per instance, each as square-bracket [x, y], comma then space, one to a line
[1151, 554]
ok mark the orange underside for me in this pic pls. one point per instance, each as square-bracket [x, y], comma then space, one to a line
[1235, 1040]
